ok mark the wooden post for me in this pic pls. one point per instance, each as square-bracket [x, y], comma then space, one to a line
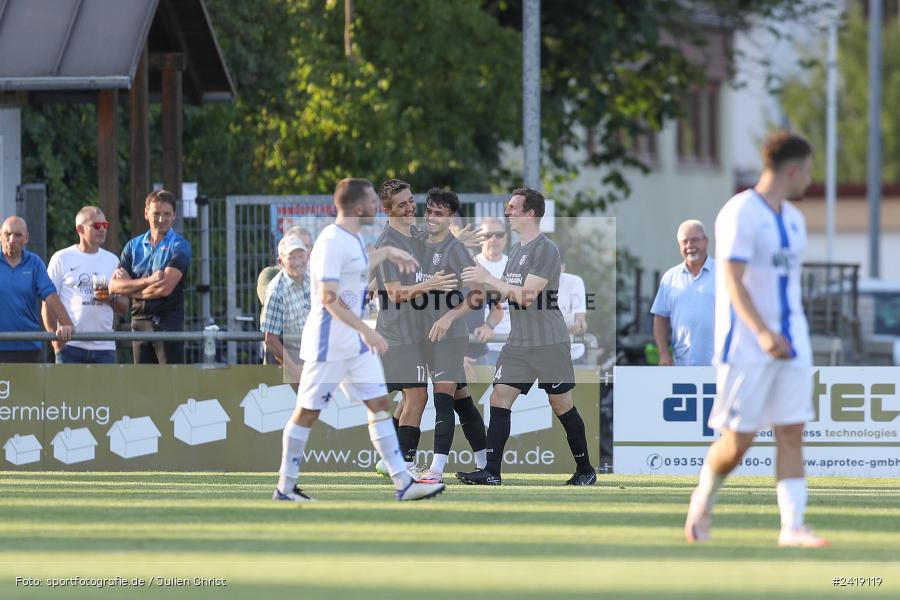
[108, 163]
[140, 145]
[171, 134]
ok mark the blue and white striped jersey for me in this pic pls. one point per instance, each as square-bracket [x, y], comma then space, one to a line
[339, 256]
[772, 245]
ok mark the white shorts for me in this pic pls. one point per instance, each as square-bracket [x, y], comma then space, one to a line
[753, 397]
[361, 378]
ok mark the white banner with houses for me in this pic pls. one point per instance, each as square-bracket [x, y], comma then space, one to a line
[180, 417]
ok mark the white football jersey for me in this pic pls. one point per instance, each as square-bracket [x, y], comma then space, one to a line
[772, 246]
[337, 255]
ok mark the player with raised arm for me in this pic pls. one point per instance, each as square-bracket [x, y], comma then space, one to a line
[538, 344]
[762, 349]
[339, 349]
[404, 300]
[398, 320]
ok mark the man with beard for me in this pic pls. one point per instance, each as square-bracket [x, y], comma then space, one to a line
[404, 301]
[338, 348]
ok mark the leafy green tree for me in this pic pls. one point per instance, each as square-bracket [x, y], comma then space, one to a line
[614, 66]
[430, 91]
[803, 99]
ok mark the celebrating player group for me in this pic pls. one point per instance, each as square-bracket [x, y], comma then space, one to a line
[427, 283]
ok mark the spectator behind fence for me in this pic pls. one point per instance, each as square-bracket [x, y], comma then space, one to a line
[571, 300]
[269, 273]
[496, 316]
[286, 306]
[151, 271]
[684, 308]
[23, 282]
[82, 273]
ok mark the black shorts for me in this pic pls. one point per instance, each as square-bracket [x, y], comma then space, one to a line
[404, 367]
[551, 365]
[445, 359]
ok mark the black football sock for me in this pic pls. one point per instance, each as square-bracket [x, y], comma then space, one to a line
[409, 441]
[444, 423]
[396, 422]
[577, 439]
[497, 434]
[471, 422]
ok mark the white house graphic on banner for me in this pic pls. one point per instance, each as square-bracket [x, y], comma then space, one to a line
[133, 437]
[200, 422]
[22, 449]
[73, 445]
[268, 408]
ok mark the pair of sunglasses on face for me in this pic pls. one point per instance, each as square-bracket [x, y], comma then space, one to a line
[101, 225]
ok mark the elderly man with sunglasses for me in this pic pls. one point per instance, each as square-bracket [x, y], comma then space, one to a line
[81, 274]
[496, 316]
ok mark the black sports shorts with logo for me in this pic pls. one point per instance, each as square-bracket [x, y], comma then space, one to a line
[445, 359]
[404, 366]
[518, 367]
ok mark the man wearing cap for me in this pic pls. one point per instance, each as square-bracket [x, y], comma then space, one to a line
[286, 306]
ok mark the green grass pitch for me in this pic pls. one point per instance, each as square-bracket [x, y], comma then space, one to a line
[530, 539]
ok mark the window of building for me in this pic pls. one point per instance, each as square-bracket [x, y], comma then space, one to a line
[698, 127]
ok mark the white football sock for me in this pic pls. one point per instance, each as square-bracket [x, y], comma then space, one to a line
[384, 438]
[481, 459]
[438, 462]
[791, 494]
[293, 443]
[709, 484]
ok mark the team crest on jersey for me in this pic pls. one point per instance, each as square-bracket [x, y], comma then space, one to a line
[350, 299]
[523, 259]
[436, 259]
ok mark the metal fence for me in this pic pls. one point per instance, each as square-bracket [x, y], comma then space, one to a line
[205, 281]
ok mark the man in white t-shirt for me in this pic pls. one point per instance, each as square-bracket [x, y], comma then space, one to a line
[571, 299]
[81, 273]
[338, 348]
[762, 348]
[496, 316]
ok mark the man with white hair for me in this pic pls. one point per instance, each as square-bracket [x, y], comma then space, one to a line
[684, 308]
[81, 273]
[286, 305]
[24, 281]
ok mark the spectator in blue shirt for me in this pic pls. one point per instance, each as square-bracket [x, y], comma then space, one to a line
[684, 308]
[23, 282]
[151, 271]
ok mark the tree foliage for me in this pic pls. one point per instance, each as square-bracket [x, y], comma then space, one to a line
[804, 102]
[431, 92]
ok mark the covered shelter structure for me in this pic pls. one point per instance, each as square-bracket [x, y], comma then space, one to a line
[113, 53]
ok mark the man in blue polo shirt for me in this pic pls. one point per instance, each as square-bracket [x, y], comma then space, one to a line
[684, 308]
[151, 272]
[24, 281]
